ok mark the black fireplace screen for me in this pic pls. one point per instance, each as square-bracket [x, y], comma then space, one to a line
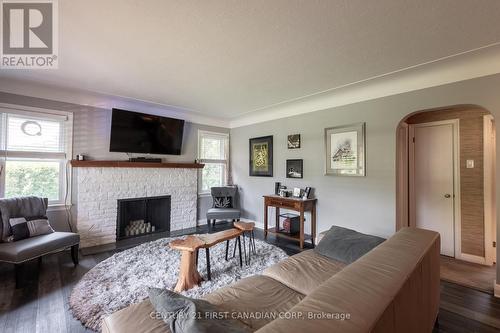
[141, 216]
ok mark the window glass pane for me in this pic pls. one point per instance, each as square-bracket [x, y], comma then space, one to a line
[213, 174]
[29, 134]
[32, 177]
[212, 148]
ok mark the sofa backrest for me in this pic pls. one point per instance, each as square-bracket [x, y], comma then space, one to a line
[19, 207]
[393, 288]
[226, 191]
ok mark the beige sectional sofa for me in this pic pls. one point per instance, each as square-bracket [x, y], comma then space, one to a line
[393, 288]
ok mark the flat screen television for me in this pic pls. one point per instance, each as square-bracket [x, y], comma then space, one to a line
[133, 132]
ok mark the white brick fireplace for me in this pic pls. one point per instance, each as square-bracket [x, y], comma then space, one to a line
[99, 188]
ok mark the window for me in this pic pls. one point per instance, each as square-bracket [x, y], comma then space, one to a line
[34, 149]
[213, 151]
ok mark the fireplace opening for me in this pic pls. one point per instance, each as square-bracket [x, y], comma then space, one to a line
[142, 216]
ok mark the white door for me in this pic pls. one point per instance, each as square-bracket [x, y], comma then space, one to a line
[434, 181]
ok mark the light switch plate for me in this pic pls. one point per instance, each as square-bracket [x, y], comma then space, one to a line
[470, 164]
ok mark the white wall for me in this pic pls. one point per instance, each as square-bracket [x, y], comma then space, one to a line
[91, 130]
[366, 203]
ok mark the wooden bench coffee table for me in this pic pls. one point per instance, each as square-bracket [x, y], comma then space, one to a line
[189, 247]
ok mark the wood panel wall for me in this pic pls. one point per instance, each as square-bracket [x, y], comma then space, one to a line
[471, 180]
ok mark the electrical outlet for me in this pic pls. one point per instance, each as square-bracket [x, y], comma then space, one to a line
[470, 164]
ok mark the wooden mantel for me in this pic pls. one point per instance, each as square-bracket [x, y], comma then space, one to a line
[127, 164]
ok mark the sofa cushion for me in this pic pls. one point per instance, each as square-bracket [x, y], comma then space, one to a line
[305, 271]
[20, 207]
[189, 315]
[394, 288]
[33, 247]
[346, 245]
[135, 318]
[223, 213]
[255, 295]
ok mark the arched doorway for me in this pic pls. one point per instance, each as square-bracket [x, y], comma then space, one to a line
[474, 215]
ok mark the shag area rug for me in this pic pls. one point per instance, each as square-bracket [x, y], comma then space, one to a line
[124, 278]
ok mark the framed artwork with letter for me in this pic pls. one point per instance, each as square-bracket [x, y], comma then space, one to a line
[261, 156]
[345, 150]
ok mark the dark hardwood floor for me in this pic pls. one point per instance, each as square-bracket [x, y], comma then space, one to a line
[42, 304]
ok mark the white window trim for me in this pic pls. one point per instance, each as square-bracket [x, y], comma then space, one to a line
[65, 182]
[225, 136]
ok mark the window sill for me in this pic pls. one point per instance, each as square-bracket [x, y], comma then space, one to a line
[203, 195]
[57, 207]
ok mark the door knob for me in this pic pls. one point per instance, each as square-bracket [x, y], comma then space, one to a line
[447, 195]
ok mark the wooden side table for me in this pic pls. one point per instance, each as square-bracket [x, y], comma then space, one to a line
[299, 205]
[247, 229]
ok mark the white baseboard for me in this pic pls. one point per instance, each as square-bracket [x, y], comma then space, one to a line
[471, 258]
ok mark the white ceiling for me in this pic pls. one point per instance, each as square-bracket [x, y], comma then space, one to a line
[228, 59]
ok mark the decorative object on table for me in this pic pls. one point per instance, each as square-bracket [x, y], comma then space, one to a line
[307, 193]
[80, 157]
[294, 168]
[261, 156]
[296, 192]
[294, 141]
[284, 192]
[277, 187]
[345, 150]
[115, 283]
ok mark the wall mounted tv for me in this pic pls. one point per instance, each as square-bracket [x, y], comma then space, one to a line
[133, 132]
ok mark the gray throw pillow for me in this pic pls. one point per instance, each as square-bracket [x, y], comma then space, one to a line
[346, 245]
[184, 314]
[25, 227]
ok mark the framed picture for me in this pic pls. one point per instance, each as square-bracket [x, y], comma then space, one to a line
[296, 192]
[294, 141]
[345, 150]
[307, 193]
[294, 169]
[261, 156]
